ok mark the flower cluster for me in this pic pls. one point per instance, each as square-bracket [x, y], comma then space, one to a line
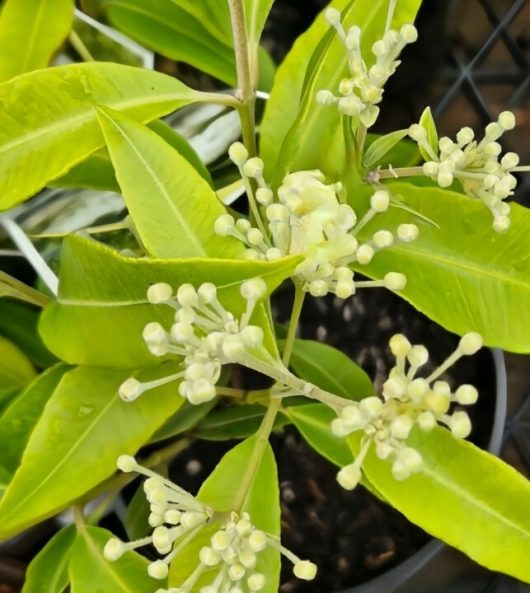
[406, 400]
[360, 93]
[475, 164]
[204, 333]
[178, 517]
[308, 218]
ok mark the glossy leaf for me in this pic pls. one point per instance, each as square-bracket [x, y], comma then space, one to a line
[185, 419]
[236, 422]
[330, 369]
[315, 140]
[16, 371]
[313, 422]
[464, 496]
[380, 148]
[174, 210]
[90, 572]
[31, 31]
[83, 416]
[19, 418]
[461, 274]
[102, 307]
[48, 122]
[48, 571]
[11, 287]
[427, 122]
[221, 491]
[181, 33]
[5, 477]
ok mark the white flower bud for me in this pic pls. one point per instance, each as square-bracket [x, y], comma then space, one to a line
[470, 343]
[324, 97]
[401, 426]
[383, 450]
[158, 570]
[437, 402]
[426, 421]
[161, 539]
[409, 33]
[493, 131]
[155, 519]
[407, 232]
[220, 540]
[445, 176]
[501, 223]
[257, 540]
[364, 254]
[369, 115]
[492, 149]
[353, 38]
[466, 395]
[201, 391]
[395, 281]
[465, 136]
[255, 237]
[332, 15]
[418, 355]
[380, 201]
[417, 389]
[130, 389]
[507, 120]
[256, 582]
[236, 572]
[394, 387]
[273, 253]
[113, 549]
[253, 289]
[305, 570]
[346, 86]
[411, 459]
[383, 239]
[238, 154]
[348, 477]
[430, 168]
[446, 145]
[224, 225]
[207, 293]
[126, 463]
[350, 105]
[277, 213]
[510, 160]
[460, 425]
[345, 289]
[264, 196]
[417, 133]
[371, 406]
[252, 336]
[154, 333]
[161, 292]
[208, 556]
[187, 296]
[182, 332]
[243, 226]
[399, 345]
[399, 470]
[253, 167]
[340, 428]
[172, 517]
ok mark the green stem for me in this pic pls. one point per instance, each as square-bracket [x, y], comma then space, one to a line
[401, 172]
[299, 296]
[80, 47]
[230, 392]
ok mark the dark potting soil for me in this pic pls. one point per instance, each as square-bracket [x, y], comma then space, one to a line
[351, 536]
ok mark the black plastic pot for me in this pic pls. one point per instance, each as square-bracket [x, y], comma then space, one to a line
[438, 568]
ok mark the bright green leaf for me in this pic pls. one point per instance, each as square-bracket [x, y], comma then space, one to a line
[48, 571]
[174, 210]
[90, 572]
[222, 492]
[84, 416]
[330, 369]
[102, 306]
[185, 419]
[463, 275]
[314, 423]
[16, 371]
[48, 122]
[19, 419]
[464, 496]
[427, 121]
[11, 287]
[380, 148]
[31, 31]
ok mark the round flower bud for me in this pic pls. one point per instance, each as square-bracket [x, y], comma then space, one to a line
[264, 195]
[507, 120]
[418, 355]
[220, 540]
[161, 292]
[255, 237]
[394, 387]
[201, 391]
[395, 281]
[380, 201]
[318, 288]
[243, 226]
[273, 253]
[444, 177]
[126, 463]
[383, 450]
[187, 296]
[254, 289]
[399, 471]
[350, 105]
[401, 426]
[253, 167]
[247, 558]
[154, 333]
[371, 406]
[161, 539]
[348, 477]
[155, 519]
[409, 33]
[430, 168]
[208, 557]
[325, 97]
[408, 232]
[383, 239]
[510, 160]
[207, 293]
[345, 289]
[305, 570]
[352, 415]
[256, 582]
[460, 425]
[437, 402]
[238, 154]
[364, 254]
[277, 213]
[172, 517]
[411, 459]
[346, 86]
[417, 132]
[466, 395]
[182, 332]
[224, 225]
[332, 15]
[426, 421]
[130, 389]
[158, 570]
[252, 336]
[417, 389]
[470, 343]
[492, 149]
[257, 540]
[465, 136]
[113, 549]
[236, 572]
[501, 223]
[340, 428]
[399, 345]
[442, 388]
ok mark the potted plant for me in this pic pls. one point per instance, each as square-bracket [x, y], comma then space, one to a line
[153, 325]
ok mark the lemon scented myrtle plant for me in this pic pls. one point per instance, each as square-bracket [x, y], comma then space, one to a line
[152, 332]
